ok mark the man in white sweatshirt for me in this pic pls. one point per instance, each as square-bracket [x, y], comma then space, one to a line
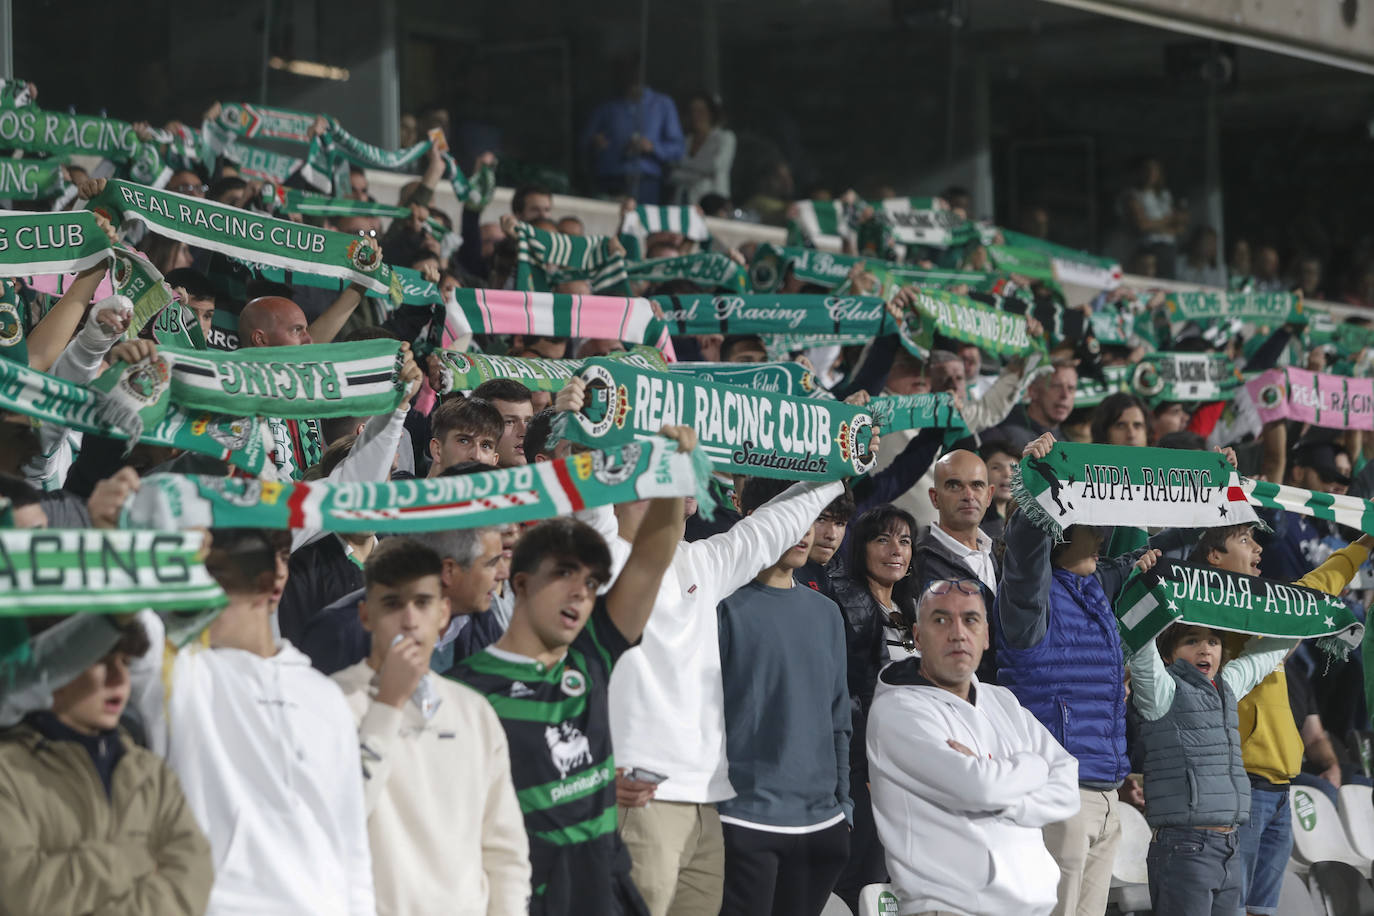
[963, 777]
[447, 833]
[267, 753]
[667, 700]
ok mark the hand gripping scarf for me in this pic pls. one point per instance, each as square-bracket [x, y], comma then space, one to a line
[915, 411]
[317, 381]
[253, 236]
[640, 470]
[546, 258]
[961, 318]
[1331, 401]
[465, 371]
[1206, 596]
[741, 431]
[1259, 308]
[52, 571]
[496, 311]
[1082, 484]
[857, 318]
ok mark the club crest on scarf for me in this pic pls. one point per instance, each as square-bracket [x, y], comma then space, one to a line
[11, 327]
[364, 255]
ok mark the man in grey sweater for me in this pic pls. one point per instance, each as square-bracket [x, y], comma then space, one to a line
[787, 730]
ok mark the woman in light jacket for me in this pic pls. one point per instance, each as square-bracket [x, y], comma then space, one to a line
[705, 169]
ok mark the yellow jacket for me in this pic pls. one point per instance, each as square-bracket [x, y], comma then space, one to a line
[1269, 741]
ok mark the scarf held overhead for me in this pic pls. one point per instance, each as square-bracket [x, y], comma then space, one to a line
[844, 316]
[640, 470]
[961, 318]
[496, 311]
[465, 371]
[1331, 401]
[1206, 596]
[1110, 485]
[740, 430]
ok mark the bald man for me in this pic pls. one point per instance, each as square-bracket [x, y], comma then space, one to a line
[272, 321]
[954, 547]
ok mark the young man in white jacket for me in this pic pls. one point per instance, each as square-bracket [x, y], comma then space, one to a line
[963, 777]
[267, 753]
[447, 833]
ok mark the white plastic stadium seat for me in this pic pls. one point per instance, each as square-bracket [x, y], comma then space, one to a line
[1294, 898]
[1129, 867]
[836, 907]
[1357, 815]
[877, 900]
[1317, 832]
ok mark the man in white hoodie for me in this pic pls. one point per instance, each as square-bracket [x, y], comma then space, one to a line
[267, 753]
[960, 767]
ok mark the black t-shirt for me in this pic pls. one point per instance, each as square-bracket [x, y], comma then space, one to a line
[557, 722]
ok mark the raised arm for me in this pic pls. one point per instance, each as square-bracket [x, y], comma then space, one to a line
[1335, 574]
[650, 555]
[1260, 658]
[326, 327]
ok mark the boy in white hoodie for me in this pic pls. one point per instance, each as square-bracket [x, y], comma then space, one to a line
[960, 767]
[267, 753]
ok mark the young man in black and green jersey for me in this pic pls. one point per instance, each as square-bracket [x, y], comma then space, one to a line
[547, 678]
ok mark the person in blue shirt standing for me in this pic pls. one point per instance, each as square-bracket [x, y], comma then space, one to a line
[631, 141]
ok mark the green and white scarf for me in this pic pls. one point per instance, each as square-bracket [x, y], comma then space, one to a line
[1028, 262]
[252, 121]
[30, 179]
[1174, 592]
[278, 199]
[779, 378]
[546, 258]
[136, 278]
[178, 327]
[706, 268]
[915, 411]
[55, 571]
[56, 133]
[254, 236]
[12, 333]
[741, 431]
[465, 371]
[1186, 377]
[924, 221]
[827, 223]
[822, 268]
[547, 489]
[243, 442]
[1350, 511]
[1259, 308]
[1070, 265]
[848, 317]
[1350, 339]
[687, 222]
[961, 318]
[260, 164]
[50, 243]
[1081, 484]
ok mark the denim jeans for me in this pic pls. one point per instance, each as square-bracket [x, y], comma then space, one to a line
[1266, 842]
[1195, 872]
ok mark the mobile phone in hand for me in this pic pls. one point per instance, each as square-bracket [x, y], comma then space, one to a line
[648, 776]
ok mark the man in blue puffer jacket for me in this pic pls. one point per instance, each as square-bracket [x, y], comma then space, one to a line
[1060, 653]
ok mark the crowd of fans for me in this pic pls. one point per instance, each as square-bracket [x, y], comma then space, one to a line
[898, 678]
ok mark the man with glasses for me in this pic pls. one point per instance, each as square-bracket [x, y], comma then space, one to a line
[959, 766]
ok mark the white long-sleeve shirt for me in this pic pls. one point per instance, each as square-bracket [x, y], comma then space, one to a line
[267, 753]
[369, 461]
[447, 834]
[962, 833]
[1153, 688]
[666, 698]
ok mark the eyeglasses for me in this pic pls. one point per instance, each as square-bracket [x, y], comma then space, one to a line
[190, 188]
[368, 233]
[944, 586]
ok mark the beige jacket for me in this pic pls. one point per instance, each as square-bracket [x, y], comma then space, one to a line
[65, 847]
[446, 830]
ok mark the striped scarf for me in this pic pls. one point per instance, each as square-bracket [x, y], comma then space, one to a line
[494, 311]
[546, 258]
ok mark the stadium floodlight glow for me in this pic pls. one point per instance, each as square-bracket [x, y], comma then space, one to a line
[309, 68]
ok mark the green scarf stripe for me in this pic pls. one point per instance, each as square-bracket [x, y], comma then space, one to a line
[326, 380]
[487, 663]
[545, 255]
[848, 316]
[573, 788]
[1265, 308]
[961, 318]
[1350, 339]
[178, 327]
[465, 371]
[583, 832]
[739, 430]
[647, 470]
[30, 179]
[291, 200]
[1025, 261]
[708, 268]
[1186, 377]
[771, 262]
[1104, 485]
[524, 710]
[242, 442]
[137, 278]
[778, 377]
[915, 411]
[685, 221]
[1351, 511]
[1070, 264]
[260, 164]
[240, 233]
[50, 243]
[483, 311]
[1206, 596]
[103, 572]
[36, 131]
[250, 121]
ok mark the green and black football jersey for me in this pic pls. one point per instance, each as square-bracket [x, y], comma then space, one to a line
[558, 725]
